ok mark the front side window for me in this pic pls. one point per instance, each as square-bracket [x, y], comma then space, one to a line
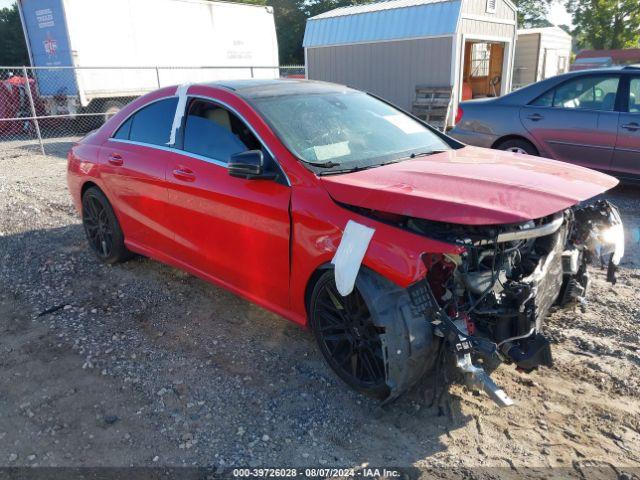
[634, 95]
[151, 124]
[214, 132]
[584, 93]
[341, 130]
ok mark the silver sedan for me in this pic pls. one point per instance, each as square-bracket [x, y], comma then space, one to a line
[589, 117]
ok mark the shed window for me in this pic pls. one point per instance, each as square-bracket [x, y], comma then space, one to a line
[480, 53]
[491, 6]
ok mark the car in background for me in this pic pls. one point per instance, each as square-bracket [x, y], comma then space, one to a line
[591, 118]
[14, 104]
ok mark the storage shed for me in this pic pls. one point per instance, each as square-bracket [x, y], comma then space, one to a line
[540, 53]
[422, 55]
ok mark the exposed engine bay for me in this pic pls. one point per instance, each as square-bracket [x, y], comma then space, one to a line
[492, 299]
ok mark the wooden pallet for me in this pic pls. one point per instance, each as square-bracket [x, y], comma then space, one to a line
[433, 104]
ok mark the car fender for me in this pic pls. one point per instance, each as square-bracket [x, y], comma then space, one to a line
[83, 167]
[393, 253]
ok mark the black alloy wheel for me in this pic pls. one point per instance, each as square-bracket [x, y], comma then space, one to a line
[102, 228]
[348, 338]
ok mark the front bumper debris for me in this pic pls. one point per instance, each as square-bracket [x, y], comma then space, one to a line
[481, 379]
[459, 342]
[499, 311]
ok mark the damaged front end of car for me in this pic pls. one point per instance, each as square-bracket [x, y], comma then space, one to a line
[491, 299]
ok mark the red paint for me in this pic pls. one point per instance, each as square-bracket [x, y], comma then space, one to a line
[472, 186]
[264, 240]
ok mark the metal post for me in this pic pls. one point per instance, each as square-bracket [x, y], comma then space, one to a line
[251, 72]
[158, 76]
[33, 108]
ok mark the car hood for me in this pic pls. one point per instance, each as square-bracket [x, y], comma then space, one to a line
[470, 185]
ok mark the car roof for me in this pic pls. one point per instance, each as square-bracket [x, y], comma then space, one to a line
[260, 88]
[613, 68]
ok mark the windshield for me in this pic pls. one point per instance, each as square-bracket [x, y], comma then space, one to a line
[345, 131]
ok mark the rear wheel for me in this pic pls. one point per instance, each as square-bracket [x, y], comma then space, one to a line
[348, 338]
[111, 108]
[517, 145]
[102, 228]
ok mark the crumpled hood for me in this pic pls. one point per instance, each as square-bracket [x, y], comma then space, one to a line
[471, 185]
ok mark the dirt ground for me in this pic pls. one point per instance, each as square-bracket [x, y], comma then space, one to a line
[141, 364]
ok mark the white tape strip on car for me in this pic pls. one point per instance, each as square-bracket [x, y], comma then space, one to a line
[348, 257]
[181, 93]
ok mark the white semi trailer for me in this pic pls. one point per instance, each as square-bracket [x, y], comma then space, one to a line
[93, 36]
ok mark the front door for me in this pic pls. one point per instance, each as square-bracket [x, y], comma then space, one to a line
[234, 230]
[626, 158]
[576, 121]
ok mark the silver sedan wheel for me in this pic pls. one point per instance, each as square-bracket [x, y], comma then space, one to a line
[516, 150]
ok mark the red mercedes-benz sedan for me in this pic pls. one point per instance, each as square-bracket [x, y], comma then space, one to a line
[394, 243]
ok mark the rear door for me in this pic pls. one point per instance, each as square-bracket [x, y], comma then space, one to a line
[576, 121]
[133, 162]
[626, 158]
[233, 229]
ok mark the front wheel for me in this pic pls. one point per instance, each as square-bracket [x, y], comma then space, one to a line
[102, 227]
[373, 339]
[518, 146]
[348, 338]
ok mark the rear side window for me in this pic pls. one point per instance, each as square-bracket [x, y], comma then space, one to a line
[214, 132]
[152, 124]
[124, 130]
[583, 93]
[545, 100]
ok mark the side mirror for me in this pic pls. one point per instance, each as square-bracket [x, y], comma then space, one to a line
[249, 165]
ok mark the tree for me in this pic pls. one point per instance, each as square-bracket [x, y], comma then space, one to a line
[533, 13]
[13, 50]
[290, 19]
[606, 24]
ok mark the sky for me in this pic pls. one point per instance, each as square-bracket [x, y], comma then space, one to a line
[557, 13]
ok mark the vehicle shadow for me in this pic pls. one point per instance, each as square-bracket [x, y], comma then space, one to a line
[251, 387]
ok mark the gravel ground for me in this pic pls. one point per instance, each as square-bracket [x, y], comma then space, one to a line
[141, 364]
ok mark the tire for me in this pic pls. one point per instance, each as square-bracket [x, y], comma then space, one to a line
[517, 145]
[111, 108]
[372, 338]
[102, 228]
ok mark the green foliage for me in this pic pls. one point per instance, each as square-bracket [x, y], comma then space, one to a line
[290, 19]
[13, 50]
[606, 24]
[533, 13]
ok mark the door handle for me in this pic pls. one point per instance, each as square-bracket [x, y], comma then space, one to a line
[535, 117]
[184, 174]
[633, 126]
[116, 159]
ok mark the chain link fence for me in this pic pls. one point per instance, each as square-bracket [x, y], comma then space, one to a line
[44, 109]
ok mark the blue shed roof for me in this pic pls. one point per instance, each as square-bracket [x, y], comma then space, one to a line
[380, 21]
